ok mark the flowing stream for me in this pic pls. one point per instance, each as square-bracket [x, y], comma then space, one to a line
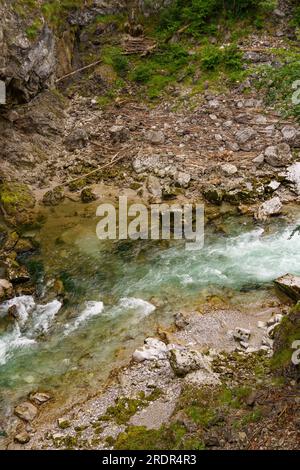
[117, 292]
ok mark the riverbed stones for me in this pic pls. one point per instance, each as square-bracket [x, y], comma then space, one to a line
[77, 139]
[278, 155]
[186, 360]
[244, 138]
[202, 377]
[18, 274]
[229, 169]
[152, 350]
[119, 134]
[213, 194]
[22, 437]
[145, 163]
[290, 285]
[293, 176]
[269, 208]
[40, 397]
[63, 423]
[5, 288]
[259, 160]
[87, 195]
[241, 334]
[182, 179]
[155, 137]
[154, 186]
[53, 197]
[26, 411]
[291, 135]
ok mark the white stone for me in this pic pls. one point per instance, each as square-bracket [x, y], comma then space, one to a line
[153, 350]
[229, 169]
[241, 334]
[271, 207]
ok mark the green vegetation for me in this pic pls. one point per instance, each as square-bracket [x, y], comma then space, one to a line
[165, 438]
[56, 10]
[33, 30]
[287, 333]
[15, 197]
[201, 16]
[278, 84]
[127, 407]
[112, 55]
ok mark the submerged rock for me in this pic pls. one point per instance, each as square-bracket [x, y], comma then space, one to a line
[18, 274]
[54, 196]
[40, 397]
[87, 195]
[290, 285]
[213, 194]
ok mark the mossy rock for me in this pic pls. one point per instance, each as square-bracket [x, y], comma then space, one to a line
[54, 196]
[213, 195]
[15, 198]
[77, 184]
[285, 335]
[237, 196]
[87, 195]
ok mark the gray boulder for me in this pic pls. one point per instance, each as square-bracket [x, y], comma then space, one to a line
[155, 137]
[278, 155]
[290, 285]
[268, 208]
[183, 361]
[26, 411]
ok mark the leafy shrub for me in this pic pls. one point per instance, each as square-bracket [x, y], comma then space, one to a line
[229, 57]
[120, 64]
[113, 56]
[198, 14]
[142, 73]
[278, 84]
[232, 57]
[211, 58]
[296, 16]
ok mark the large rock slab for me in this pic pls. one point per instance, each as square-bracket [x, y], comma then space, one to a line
[26, 411]
[269, 208]
[153, 350]
[278, 155]
[290, 285]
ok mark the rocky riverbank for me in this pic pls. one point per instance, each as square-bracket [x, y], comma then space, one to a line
[161, 119]
[197, 385]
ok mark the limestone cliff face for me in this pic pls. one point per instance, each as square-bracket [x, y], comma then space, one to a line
[26, 66]
[35, 50]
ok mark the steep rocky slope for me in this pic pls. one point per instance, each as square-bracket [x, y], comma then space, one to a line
[96, 92]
